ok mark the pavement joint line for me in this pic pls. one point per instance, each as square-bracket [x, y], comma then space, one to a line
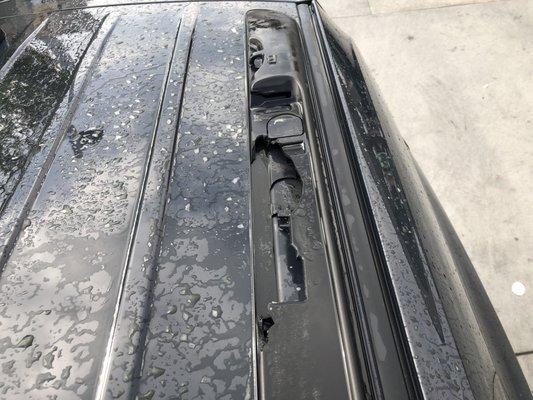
[524, 353]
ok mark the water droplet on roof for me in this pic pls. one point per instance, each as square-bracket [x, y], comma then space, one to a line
[25, 342]
[216, 312]
[157, 372]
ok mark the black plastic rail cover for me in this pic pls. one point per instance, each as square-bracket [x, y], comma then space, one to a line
[296, 317]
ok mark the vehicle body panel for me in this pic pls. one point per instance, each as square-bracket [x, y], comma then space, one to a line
[122, 230]
[134, 220]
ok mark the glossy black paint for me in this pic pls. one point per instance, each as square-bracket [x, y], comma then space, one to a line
[126, 254]
[127, 188]
[378, 358]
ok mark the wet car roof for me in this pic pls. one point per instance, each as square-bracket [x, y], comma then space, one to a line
[24, 7]
[124, 197]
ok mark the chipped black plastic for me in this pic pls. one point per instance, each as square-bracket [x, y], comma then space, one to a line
[291, 278]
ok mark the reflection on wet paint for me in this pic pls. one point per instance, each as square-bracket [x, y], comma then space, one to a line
[32, 89]
[173, 301]
[59, 287]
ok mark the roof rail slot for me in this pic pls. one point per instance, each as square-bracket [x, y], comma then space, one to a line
[296, 319]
